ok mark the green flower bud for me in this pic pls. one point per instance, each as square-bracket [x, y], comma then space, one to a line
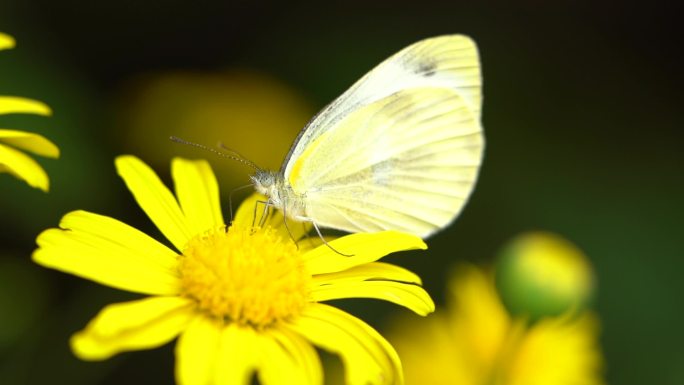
[542, 274]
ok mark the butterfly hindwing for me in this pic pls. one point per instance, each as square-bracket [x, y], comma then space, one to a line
[405, 162]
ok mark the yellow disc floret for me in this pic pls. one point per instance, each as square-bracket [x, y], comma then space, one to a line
[246, 275]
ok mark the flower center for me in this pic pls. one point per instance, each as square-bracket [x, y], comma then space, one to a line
[245, 275]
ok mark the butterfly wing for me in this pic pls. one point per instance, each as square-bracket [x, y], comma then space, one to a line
[449, 61]
[406, 162]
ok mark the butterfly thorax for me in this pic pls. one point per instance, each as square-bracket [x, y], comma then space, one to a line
[280, 194]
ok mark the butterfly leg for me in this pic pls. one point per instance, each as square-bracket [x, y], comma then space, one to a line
[318, 231]
[287, 227]
[262, 220]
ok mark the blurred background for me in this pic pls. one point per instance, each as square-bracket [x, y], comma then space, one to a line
[582, 114]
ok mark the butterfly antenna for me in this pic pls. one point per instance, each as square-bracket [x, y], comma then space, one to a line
[229, 154]
[238, 155]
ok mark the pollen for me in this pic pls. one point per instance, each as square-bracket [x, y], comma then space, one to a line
[246, 275]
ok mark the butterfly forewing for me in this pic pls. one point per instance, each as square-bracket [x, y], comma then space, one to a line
[444, 62]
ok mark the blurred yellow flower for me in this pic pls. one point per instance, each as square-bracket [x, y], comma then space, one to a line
[12, 160]
[6, 41]
[474, 341]
[242, 299]
[257, 110]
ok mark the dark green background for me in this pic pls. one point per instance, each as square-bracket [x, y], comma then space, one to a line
[582, 115]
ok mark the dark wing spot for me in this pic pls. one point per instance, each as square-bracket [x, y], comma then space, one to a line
[426, 68]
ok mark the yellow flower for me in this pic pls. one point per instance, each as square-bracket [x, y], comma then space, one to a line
[476, 342]
[12, 160]
[241, 299]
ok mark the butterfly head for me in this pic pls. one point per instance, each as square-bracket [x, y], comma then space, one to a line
[263, 181]
[279, 193]
[267, 183]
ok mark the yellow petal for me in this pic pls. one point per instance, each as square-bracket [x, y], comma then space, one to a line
[197, 351]
[110, 252]
[35, 143]
[478, 319]
[364, 247]
[368, 358]
[426, 344]
[298, 346]
[312, 241]
[155, 199]
[557, 350]
[23, 167]
[369, 271]
[198, 194]
[383, 344]
[6, 41]
[135, 325]
[248, 212]
[410, 296]
[287, 355]
[238, 356]
[251, 211]
[17, 105]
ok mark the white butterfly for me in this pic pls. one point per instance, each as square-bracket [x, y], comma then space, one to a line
[400, 150]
